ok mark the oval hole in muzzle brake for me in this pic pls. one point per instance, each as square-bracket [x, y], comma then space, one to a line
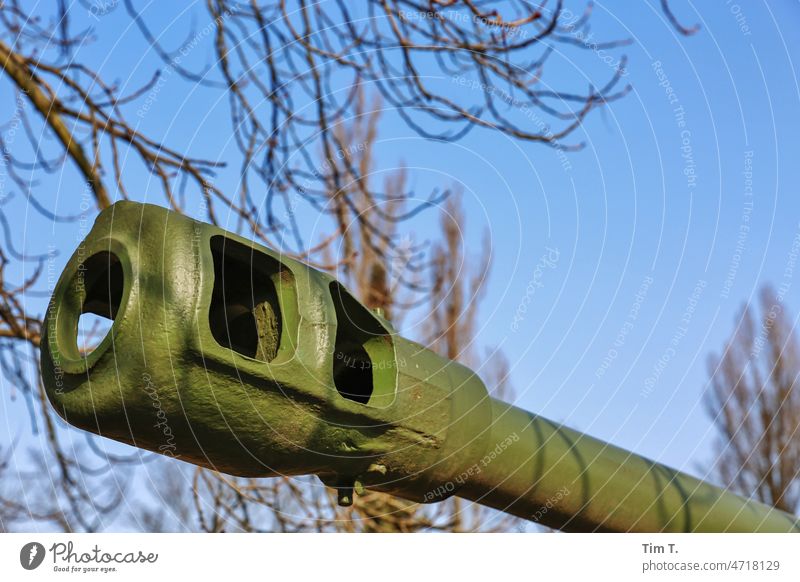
[102, 281]
[245, 314]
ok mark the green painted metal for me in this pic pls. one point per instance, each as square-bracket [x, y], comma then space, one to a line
[225, 354]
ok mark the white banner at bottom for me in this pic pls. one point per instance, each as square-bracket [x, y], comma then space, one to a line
[400, 557]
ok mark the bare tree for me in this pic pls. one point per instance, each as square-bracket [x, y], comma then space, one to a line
[754, 401]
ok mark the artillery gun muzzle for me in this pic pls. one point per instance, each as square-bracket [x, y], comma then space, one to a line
[228, 355]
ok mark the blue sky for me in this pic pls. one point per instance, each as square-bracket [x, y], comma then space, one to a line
[647, 217]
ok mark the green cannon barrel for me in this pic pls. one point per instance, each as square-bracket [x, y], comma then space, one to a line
[228, 355]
